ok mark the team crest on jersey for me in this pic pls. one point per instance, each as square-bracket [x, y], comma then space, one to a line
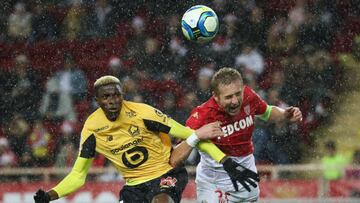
[195, 115]
[109, 138]
[247, 109]
[134, 130]
[130, 113]
[168, 182]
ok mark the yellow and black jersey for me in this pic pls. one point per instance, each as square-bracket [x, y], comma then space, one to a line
[137, 143]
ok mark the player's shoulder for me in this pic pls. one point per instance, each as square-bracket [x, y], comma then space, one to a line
[95, 119]
[142, 108]
[249, 94]
[205, 108]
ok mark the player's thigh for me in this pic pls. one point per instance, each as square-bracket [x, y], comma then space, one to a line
[162, 198]
[207, 193]
[130, 194]
[243, 195]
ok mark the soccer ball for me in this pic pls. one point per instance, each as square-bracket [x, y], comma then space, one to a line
[199, 24]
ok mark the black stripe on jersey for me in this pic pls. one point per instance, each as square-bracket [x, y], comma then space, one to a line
[156, 126]
[88, 147]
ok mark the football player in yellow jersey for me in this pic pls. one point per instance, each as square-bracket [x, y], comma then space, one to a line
[134, 137]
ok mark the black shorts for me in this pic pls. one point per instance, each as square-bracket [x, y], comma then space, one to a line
[173, 183]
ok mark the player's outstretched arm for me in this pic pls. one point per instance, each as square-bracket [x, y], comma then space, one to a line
[73, 181]
[292, 114]
[76, 178]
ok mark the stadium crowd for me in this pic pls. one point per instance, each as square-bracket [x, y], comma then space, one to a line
[51, 52]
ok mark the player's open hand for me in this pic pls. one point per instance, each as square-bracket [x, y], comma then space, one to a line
[239, 173]
[293, 114]
[209, 131]
[41, 197]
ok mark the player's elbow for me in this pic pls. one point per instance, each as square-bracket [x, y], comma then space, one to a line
[173, 163]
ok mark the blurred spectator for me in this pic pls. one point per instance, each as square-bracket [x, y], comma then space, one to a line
[295, 68]
[67, 146]
[152, 63]
[170, 105]
[284, 147]
[66, 156]
[350, 63]
[221, 50]
[66, 87]
[298, 14]
[39, 144]
[22, 89]
[18, 132]
[176, 65]
[131, 90]
[188, 102]
[353, 171]
[321, 23]
[44, 24]
[74, 24]
[253, 29]
[116, 67]
[26, 159]
[282, 36]
[250, 60]
[137, 37]
[7, 156]
[100, 20]
[333, 162]
[203, 90]
[19, 22]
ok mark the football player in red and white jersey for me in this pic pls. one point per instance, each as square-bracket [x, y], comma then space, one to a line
[235, 106]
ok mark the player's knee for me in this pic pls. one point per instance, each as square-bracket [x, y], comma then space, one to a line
[162, 198]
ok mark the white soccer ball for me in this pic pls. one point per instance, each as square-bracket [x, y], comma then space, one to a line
[199, 24]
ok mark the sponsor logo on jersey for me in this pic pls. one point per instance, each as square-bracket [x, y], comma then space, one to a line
[109, 138]
[237, 126]
[130, 113]
[134, 130]
[102, 128]
[127, 145]
[168, 182]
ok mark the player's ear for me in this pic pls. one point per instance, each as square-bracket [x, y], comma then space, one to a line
[215, 96]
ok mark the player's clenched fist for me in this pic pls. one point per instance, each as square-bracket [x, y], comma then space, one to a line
[41, 197]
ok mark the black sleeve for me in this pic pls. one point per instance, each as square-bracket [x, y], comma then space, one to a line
[156, 126]
[88, 147]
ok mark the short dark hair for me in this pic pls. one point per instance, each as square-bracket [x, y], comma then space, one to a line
[224, 76]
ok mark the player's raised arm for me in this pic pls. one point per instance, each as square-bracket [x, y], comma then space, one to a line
[292, 114]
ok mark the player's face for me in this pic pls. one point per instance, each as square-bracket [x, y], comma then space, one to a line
[230, 97]
[109, 98]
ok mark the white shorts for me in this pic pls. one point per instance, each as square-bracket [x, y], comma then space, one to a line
[214, 184]
[208, 193]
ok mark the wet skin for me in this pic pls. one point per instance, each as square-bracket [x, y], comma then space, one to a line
[109, 98]
[230, 97]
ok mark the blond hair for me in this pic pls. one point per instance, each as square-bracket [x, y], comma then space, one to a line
[106, 80]
[224, 76]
